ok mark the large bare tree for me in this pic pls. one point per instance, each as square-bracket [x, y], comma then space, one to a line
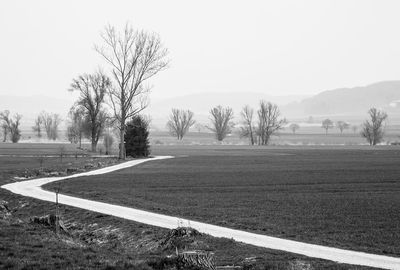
[373, 130]
[248, 129]
[221, 121]
[92, 90]
[269, 121]
[179, 122]
[134, 57]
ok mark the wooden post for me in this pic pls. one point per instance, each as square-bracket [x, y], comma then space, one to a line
[57, 212]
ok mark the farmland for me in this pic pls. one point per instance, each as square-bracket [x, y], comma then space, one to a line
[344, 197]
[98, 241]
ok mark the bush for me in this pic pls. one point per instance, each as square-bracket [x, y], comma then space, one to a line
[136, 137]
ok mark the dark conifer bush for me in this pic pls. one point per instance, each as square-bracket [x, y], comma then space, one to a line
[136, 137]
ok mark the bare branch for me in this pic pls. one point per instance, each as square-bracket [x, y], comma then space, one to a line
[134, 57]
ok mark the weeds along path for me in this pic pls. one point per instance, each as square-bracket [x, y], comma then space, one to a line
[32, 188]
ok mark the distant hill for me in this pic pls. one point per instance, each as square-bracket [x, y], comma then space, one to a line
[350, 101]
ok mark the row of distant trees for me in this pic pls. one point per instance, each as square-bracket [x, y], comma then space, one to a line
[258, 128]
[265, 123]
[89, 119]
[329, 124]
[47, 125]
[372, 130]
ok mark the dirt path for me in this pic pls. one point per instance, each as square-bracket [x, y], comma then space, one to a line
[32, 188]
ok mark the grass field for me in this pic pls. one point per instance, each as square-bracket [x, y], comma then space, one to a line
[98, 241]
[307, 136]
[344, 197]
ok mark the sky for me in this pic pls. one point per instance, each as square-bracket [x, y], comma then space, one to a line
[298, 47]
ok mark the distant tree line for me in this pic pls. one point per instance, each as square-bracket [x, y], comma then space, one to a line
[259, 127]
[259, 131]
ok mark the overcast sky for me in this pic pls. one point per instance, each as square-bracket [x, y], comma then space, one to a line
[272, 47]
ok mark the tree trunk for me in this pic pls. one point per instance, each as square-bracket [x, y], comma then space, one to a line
[94, 146]
[4, 134]
[122, 153]
[94, 143]
[251, 136]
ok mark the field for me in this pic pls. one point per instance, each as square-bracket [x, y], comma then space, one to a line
[344, 197]
[305, 136]
[97, 241]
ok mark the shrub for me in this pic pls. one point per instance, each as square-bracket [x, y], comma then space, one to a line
[136, 137]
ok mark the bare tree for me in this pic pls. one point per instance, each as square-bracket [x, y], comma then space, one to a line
[76, 127]
[37, 128]
[134, 57]
[341, 125]
[51, 121]
[248, 129]
[14, 128]
[4, 116]
[373, 130]
[4, 128]
[269, 121]
[221, 121]
[92, 89]
[294, 127]
[327, 124]
[179, 122]
[11, 124]
[54, 127]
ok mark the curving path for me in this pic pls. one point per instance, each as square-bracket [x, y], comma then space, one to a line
[32, 188]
